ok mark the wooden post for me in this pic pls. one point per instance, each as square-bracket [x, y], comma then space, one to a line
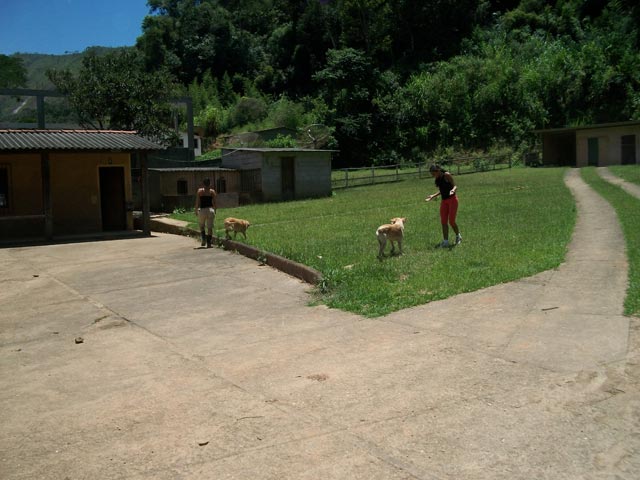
[40, 111]
[144, 187]
[190, 140]
[46, 195]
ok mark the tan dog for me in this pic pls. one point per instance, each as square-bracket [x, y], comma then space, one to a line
[394, 232]
[235, 225]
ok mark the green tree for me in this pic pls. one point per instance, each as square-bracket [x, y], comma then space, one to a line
[348, 85]
[191, 37]
[12, 72]
[115, 92]
[248, 110]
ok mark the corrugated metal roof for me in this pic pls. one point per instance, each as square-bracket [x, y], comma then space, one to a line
[16, 140]
[192, 169]
[273, 149]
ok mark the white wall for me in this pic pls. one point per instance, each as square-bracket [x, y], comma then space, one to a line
[609, 144]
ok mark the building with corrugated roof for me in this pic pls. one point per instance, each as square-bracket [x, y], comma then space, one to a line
[171, 188]
[57, 183]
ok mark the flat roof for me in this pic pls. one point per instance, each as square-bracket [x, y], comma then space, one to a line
[73, 140]
[266, 149]
[588, 127]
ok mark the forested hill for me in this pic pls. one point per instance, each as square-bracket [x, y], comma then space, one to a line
[36, 66]
[394, 79]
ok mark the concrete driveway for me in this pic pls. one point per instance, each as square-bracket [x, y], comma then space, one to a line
[151, 359]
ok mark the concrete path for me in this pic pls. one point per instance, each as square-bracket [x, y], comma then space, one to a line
[630, 188]
[152, 359]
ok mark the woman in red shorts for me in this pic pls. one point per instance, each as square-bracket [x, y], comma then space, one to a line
[449, 206]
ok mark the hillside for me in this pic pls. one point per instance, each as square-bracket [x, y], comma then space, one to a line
[388, 79]
[22, 110]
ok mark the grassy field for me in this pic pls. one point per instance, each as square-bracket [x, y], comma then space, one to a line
[514, 223]
[628, 210]
[631, 173]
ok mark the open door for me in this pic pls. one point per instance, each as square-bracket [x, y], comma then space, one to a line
[628, 149]
[112, 199]
[288, 178]
[593, 152]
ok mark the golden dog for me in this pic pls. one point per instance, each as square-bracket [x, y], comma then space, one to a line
[235, 225]
[394, 232]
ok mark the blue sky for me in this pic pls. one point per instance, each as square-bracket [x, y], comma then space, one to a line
[65, 26]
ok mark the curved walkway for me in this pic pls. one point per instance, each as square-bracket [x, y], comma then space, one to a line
[152, 359]
[567, 319]
[630, 188]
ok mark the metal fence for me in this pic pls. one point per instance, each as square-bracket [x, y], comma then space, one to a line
[354, 177]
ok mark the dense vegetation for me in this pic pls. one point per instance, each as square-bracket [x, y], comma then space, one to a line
[393, 79]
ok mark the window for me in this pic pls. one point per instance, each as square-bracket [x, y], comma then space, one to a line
[4, 188]
[182, 187]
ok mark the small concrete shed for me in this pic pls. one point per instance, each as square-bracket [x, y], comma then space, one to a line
[284, 173]
[171, 188]
[592, 145]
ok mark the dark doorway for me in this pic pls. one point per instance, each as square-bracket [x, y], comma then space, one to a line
[221, 185]
[112, 199]
[560, 149]
[628, 153]
[4, 189]
[592, 151]
[288, 178]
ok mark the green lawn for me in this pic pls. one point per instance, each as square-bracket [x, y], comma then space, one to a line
[514, 223]
[628, 210]
[631, 173]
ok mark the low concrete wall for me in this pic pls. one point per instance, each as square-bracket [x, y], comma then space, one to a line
[298, 270]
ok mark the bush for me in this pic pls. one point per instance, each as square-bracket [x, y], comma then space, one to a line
[248, 110]
[282, 141]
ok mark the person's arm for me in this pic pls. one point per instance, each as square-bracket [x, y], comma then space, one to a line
[197, 201]
[214, 201]
[432, 196]
[449, 178]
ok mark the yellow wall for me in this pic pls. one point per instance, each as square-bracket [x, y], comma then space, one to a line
[75, 192]
[25, 179]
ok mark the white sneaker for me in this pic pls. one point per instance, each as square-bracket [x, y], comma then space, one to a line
[444, 244]
[458, 239]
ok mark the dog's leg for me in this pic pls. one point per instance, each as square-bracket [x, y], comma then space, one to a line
[382, 241]
[400, 247]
